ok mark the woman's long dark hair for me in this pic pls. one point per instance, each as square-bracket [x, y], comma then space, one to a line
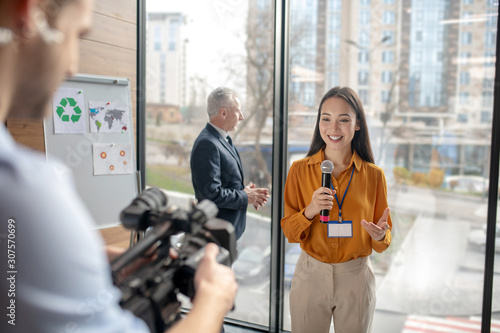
[361, 141]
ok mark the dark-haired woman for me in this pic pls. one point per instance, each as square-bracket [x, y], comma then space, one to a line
[333, 276]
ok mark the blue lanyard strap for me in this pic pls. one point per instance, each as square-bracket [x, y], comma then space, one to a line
[343, 197]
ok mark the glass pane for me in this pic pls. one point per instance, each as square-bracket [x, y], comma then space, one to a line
[495, 312]
[194, 47]
[424, 72]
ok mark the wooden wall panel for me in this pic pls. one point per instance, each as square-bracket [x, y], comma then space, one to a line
[124, 10]
[116, 236]
[28, 132]
[119, 33]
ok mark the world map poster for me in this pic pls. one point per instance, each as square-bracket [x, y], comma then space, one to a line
[112, 159]
[108, 117]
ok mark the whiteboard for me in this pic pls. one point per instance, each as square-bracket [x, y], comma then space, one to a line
[104, 195]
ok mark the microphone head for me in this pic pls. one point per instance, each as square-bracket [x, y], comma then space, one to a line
[327, 166]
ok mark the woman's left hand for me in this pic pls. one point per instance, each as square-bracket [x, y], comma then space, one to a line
[377, 231]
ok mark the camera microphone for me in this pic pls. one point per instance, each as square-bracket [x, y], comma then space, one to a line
[326, 179]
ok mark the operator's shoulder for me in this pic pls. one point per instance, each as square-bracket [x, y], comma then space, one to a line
[23, 165]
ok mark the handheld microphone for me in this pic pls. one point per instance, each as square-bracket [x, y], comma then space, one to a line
[326, 179]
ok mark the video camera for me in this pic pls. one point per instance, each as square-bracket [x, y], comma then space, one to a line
[151, 291]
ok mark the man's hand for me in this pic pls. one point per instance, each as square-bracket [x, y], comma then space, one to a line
[214, 283]
[377, 231]
[256, 196]
[216, 287]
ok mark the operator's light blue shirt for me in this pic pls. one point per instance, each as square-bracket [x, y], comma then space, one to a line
[63, 280]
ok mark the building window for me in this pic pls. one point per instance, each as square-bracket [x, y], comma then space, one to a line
[464, 78]
[463, 117]
[388, 37]
[364, 17]
[386, 77]
[363, 57]
[363, 96]
[466, 38]
[388, 57]
[363, 77]
[385, 96]
[487, 99]
[488, 83]
[463, 97]
[467, 18]
[490, 39]
[486, 117]
[364, 37]
[491, 22]
[419, 37]
[389, 17]
[489, 59]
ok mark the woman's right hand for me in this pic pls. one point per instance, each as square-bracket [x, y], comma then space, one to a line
[321, 199]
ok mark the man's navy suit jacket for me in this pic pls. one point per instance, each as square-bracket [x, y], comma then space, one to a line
[217, 175]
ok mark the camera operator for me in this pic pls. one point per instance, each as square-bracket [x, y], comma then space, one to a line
[59, 278]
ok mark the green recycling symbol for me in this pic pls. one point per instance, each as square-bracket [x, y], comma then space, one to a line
[75, 117]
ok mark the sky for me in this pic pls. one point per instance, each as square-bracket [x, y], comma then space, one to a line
[213, 28]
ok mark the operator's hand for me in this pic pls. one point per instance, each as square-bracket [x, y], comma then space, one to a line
[377, 231]
[321, 199]
[215, 284]
[256, 196]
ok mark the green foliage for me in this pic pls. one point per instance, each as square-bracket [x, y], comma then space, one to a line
[400, 174]
[170, 178]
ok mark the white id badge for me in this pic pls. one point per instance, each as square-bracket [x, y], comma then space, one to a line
[340, 229]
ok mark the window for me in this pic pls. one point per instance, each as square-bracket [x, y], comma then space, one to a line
[363, 57]
[362, 77]
[419, 36]
[463, 117]
[388, 37]
[385, 96]
[386, 77]
[486, 117]
[489, 59]
[463, 97]
[464, 78]
[388, 57]
[466, 38]
[389, 17]
[189, 72]
[364, 37]
[490, 38]
[436, 96]
[363, 96]
[487, 98]
[466, 18]
[364, 17]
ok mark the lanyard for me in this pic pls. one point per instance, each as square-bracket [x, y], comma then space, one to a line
[343, 197]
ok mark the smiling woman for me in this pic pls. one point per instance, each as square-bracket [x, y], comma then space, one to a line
[338, 250]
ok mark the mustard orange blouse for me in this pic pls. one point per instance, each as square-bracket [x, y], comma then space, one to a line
[365, 199]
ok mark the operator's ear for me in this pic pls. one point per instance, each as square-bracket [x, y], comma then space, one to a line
[23, 13]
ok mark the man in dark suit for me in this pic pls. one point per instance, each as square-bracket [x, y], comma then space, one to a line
[216, 169]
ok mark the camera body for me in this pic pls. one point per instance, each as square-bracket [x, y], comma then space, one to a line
[151, 291]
